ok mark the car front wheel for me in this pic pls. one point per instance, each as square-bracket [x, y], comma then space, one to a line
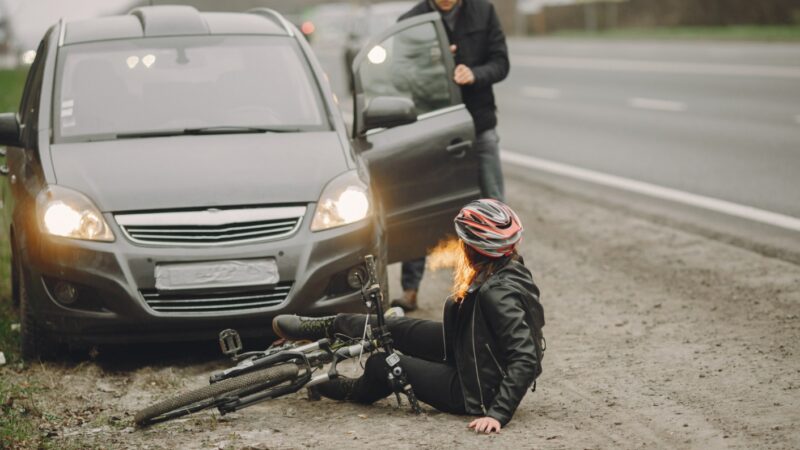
[34, 342]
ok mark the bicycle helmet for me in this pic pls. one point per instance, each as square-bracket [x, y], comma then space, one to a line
[490, 227]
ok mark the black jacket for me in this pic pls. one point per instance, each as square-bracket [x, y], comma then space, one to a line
[495, 338]
[481, 47]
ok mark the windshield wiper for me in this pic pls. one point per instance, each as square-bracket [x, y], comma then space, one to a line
[147, 134]
[235, 129]
[205, 130]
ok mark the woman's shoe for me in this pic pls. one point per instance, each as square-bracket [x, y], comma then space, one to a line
[339, 388]
[296, 328]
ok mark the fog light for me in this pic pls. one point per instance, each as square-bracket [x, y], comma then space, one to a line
[66, 293]
[356, 276]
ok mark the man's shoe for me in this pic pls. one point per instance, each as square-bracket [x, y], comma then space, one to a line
[297, 328]
[408, 301]
[339, 388]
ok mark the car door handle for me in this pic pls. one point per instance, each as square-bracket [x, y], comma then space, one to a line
[458, 148]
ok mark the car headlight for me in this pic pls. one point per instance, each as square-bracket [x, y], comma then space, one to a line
[344, 200]
[67, 213]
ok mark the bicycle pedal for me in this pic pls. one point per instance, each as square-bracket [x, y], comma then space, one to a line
[230, 343]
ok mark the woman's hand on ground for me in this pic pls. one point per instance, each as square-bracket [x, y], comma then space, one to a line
[485, 425]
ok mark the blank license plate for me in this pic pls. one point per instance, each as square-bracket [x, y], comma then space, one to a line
[216, 274]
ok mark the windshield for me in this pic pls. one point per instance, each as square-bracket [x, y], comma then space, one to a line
[113, 88]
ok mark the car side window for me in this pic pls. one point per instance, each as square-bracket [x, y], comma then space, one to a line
[408, 64]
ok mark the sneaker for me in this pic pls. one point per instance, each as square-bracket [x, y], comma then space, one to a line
[340, 388]
[408, 301]
[297, 328]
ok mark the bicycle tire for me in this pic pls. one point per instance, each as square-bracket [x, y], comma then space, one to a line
[269, 377]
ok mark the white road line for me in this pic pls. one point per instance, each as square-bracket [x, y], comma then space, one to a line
[657, 105]
[797, 118]
[541, 92]
[652, 190]
[673, 67]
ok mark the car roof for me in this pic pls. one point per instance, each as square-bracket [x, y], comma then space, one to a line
[173, 20]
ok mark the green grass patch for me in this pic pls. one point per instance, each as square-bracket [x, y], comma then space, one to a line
[772, 33]
[19, 416]
[12, 83]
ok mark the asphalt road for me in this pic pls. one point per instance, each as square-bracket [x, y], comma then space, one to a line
[720, 120]
[711, 128]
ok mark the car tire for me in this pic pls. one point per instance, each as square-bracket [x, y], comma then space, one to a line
[34, 343]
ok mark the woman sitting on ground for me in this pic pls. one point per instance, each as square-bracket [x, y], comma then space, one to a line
[486, 353]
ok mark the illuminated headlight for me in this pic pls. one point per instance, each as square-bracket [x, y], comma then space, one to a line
[344, 200]
[67, 213]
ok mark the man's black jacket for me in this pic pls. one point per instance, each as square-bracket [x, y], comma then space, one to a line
[481, 46]
[494, 339]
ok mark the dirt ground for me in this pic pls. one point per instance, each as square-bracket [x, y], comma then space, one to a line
[656, 338]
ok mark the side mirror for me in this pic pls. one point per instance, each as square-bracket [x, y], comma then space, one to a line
[388, 112]
[9, 130]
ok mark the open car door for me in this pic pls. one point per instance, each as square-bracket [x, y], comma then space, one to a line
[423, 164]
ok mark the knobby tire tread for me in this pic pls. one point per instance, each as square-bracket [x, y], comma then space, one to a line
[272, 376]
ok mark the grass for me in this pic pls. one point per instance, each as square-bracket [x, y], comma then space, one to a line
[771, 33]
[17, 429]
[18, 414]
[11, 85]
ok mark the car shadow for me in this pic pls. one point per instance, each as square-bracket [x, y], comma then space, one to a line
[131, 357]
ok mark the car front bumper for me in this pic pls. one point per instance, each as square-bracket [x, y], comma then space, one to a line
[116, 274]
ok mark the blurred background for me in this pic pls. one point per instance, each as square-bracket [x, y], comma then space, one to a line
[699, 96]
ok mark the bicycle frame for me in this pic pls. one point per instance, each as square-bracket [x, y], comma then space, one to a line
[312, 356]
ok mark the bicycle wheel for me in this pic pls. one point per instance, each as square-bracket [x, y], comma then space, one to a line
[207, 396]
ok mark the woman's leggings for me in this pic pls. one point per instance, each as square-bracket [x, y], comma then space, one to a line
[434, 380]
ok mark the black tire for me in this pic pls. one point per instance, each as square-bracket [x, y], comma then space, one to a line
[266, 378]
[34, 342]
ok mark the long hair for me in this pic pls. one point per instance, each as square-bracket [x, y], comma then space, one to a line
[469, 265]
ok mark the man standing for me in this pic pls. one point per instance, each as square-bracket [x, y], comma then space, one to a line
[479, 48]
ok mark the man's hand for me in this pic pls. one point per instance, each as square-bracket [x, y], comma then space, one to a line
[485, 425]
[463, 75]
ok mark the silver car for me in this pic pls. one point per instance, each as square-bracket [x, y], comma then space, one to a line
[176, 172]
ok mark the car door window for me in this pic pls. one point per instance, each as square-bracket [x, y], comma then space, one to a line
[408, 64]
[422, 172]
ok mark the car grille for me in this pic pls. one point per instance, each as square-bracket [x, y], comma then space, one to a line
[173, 302]
[211, 227]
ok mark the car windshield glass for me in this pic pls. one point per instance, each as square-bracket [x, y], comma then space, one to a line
[142, 86]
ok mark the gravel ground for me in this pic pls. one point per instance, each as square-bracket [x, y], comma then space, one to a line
[656, 338]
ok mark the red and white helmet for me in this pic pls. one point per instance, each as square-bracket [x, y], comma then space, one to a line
[490, 227]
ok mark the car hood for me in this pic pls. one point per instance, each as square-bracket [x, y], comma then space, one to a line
[200, 171]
